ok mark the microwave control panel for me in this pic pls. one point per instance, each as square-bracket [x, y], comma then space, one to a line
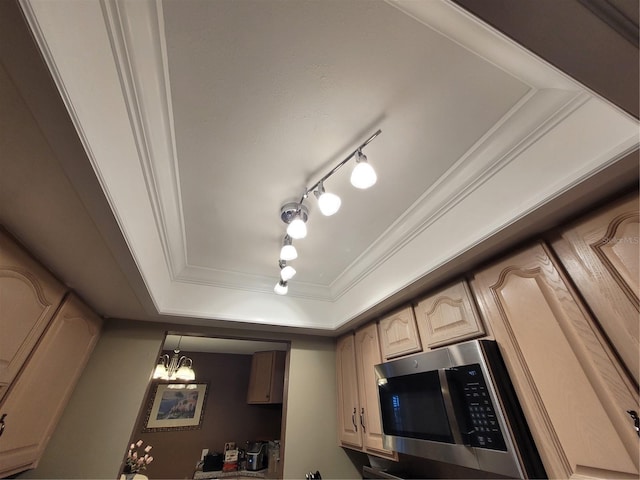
[482, 427]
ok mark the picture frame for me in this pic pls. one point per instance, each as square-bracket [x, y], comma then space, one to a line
[176, 406]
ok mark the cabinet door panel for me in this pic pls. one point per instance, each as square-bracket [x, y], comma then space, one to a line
[367, 356]
[448, 316]
[29, 297]
[602, 255]
[573, 394]
[260, 378]
[348, 403]
[399, 334]
[54, 368]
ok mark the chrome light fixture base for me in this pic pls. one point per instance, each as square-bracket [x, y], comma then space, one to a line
[289, 211]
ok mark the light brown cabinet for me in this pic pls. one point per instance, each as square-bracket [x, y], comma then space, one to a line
[266, 381]
[29, 297]
[38, 396]
[399, 334]
[602, 255]
[573, 391]
[359, 418]
[349, 433]
[448, 316]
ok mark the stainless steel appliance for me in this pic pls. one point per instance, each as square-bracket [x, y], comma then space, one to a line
[457, 405]
[257, 456]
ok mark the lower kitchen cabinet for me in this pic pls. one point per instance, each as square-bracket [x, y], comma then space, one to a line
[38, 396]
[359, 418]
[602, 255]
[574, 392]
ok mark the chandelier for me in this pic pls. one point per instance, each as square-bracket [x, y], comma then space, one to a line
[178, 367]
[296, 214]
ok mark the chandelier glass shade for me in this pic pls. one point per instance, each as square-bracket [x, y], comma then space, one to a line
[176, 367]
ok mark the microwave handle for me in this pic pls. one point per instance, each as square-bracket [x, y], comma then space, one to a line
[457, 420]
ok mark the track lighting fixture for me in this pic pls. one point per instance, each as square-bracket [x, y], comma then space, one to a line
[296, 214]
[288, 251]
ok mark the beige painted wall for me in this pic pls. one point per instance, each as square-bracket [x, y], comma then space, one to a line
[311, 420]
[94, 431]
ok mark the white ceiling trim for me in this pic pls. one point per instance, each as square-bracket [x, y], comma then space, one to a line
[125, 123]
[520, 128]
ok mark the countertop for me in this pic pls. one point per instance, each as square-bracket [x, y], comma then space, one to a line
[233, 474]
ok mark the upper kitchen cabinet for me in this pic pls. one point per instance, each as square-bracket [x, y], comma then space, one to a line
[266, 381]
[29, 297]
[37, 398]
[448, 316]
[399, 334]
[574, 392]
[601, 254]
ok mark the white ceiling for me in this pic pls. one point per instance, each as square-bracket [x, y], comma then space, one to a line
[202, 118]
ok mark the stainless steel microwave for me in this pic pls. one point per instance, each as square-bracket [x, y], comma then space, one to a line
[456, 404]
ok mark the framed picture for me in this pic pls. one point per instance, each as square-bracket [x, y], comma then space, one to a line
[176, 406]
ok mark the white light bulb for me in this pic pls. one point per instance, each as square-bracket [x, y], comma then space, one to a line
[297, 228]
[287, 273]
[363, 175]
[281, 288]
[288, 252]
[329, 203]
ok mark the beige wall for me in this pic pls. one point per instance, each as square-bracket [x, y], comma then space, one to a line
[94, 431]
[311, 419]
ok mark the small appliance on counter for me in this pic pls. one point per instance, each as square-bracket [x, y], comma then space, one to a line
[212, 462]
[257, 457]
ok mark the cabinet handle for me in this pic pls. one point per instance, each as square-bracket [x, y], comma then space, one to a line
[634, 416]
[353, 419]
[364, 429]
[2, 425]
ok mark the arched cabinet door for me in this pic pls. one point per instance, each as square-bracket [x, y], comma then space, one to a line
[448, 316]
[29, 297]
[573, 391]
[39, 395]
[399, 334]
[602, 255]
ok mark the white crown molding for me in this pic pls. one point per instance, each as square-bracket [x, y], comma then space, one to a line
[139, 47]
[520, 128]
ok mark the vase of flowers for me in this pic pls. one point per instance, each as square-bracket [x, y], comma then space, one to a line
[137, 460]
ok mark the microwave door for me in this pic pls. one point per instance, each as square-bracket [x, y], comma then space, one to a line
[412, 406]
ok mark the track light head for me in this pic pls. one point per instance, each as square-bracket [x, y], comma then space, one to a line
[363, 175]
[287, 272]
[281, 288]
[288, 251]
[295, 215]
[329, 203]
